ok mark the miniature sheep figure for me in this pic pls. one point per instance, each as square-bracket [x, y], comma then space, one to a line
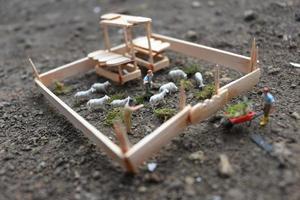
[199, 79]
[120, 102]
[84, 95]
[171, 87]
[176, 74]
[97, 103]
[155, 99]
[101, 87]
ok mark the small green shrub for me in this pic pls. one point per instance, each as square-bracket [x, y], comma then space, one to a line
[187, 84]
[117, 96]
[239, 109]
[60, 88]
[113, 115]
[140, 99]
[164, 113]
[191, 69]
[206, 93]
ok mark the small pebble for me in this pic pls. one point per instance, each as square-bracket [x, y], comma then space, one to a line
[192, 35]
[225, 168]
[295, 115]
[196, 4]
[249, 15]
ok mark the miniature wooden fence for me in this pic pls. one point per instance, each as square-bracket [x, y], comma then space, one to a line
[138, 153]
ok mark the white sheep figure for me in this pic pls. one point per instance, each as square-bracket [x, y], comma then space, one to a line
[155, 99]
[199, 79]
[84, 95]
[120, 102]
[177, 74]
[97, 103]
[101, 87]
[171, 87]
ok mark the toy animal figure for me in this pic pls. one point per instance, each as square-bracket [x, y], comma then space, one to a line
[101, 87]
[84, 95]
[199, 79]
[97, 103]
[155, 99]
[171, 87]
[177, 74]
[120, 102]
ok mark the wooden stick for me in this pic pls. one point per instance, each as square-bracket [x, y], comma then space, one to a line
[217, 79]
[35, 71]
[148, 28]
[122, 136]
[126, 39]
[80, 123]
[182, 97]
[242, 84]
[106, 37]
[161, 136]
[131, 46]
[224, 58]
[202, 111]
[253, 60]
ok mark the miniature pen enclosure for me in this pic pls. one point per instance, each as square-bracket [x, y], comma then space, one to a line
[189, 115]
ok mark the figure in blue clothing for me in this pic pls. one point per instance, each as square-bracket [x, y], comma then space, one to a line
[268, 105]
[148, 82]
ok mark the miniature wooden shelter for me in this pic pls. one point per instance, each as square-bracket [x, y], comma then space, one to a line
[145, 51]
[132, 157]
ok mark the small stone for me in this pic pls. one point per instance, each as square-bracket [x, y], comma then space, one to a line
[189, 180]
[293, 86]
[41, 166]
[235, 194]
[142, 189]
[216, 197]
[211, 3]
[295, 115]
[96, 175]
[196, 4]
[152, 166]
[297, 17]
[273, 70]
[225, 80]
[199, 179]
[225, 168]
[192, 35]
[197, 156]
[249, 15]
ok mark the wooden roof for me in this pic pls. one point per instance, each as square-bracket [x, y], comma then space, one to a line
[122, 20]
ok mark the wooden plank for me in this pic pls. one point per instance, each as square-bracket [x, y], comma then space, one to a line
[224, 58]
[75, 68]
[242, 84]
[72, 69]
[158, 138]
[107, 74]
[202, 111]
[131, 76]
[118, 61]
[80, 123]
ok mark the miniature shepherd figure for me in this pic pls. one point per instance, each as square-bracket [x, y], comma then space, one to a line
[128, 110]
[148, 83]
[268, 105]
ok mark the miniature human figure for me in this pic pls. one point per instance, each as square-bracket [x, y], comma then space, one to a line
[128, 110]
[268, 105]
[148, 82]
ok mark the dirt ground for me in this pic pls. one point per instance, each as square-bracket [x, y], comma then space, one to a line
[43, 156]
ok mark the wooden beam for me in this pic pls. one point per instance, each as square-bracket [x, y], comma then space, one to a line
[242, 84]
[35, 71]
[106, 37]
[149, 32]
[72, 69]
[80, 123]
[224, 58]
[202, 111]
[158, 138]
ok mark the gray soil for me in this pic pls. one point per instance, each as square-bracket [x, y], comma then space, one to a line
[43, 156]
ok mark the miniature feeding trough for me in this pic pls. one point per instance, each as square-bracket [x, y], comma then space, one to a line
[132, 156]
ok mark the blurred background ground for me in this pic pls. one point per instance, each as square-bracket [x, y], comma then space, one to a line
[43, 156]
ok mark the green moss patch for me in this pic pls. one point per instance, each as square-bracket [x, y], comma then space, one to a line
[164, 113]
[206, 93]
